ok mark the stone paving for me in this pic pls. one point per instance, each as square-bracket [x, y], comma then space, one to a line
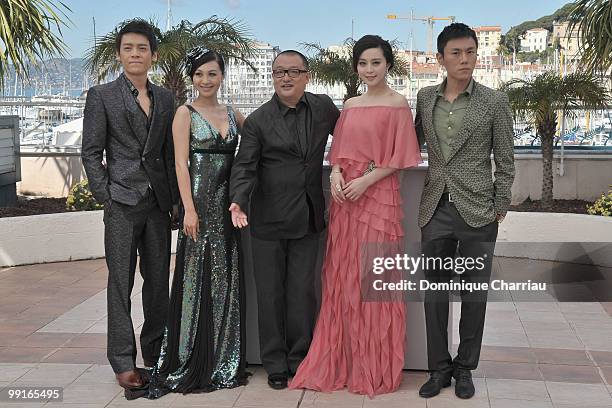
[535, 354]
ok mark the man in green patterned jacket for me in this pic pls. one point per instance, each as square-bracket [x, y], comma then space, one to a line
[462, 122]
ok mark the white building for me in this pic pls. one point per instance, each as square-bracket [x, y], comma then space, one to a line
[535, 39]
[243, 85]
[335, 92]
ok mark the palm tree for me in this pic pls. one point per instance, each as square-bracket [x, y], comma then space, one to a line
[593, 20]
[539, 100]
[26, 34]
[330, 67]
[227, 37]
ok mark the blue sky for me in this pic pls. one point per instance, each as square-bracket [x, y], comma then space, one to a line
[289, 22]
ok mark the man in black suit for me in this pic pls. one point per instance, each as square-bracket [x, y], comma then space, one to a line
[131, 120]
[279, 166]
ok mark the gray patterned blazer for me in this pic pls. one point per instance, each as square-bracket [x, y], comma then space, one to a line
[135, 157]
[487, 127]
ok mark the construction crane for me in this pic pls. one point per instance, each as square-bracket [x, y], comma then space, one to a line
[429, 20]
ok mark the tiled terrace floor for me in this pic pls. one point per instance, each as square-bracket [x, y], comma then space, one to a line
[535, 355]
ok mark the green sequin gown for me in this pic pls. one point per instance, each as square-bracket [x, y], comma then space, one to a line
[204, 343]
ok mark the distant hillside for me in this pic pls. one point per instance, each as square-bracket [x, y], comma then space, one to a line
[54, 74]
[511, 37]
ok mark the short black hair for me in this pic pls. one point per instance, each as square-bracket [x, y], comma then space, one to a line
[195, 60]
[454, 31]
[137, 26]
[293, 52]
[372, 41]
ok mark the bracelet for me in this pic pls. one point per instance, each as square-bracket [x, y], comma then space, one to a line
[371, 167]
[331, 173]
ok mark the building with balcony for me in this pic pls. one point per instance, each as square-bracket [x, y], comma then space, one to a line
[243, 85]
[568, 41]
[488, 40]
[536, 39]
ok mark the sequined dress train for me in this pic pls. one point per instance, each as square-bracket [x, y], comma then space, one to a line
[204, 342]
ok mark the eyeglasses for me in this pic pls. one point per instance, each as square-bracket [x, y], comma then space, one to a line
[293, 73]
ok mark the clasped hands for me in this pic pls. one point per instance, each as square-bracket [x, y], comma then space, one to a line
[353, 190]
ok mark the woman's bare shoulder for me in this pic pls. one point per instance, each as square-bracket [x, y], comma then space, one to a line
[398, 100]
[354, 101]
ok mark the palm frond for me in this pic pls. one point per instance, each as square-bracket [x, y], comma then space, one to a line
[27, 34]
[593, 20]
[331, 67]
[101, 59]
[230, 38]
[538, 100]
[549, 92]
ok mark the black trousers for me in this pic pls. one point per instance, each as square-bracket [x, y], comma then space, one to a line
[448, 235]
[142, 230]
[285, 281]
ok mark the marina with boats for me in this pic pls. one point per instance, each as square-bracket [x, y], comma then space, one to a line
[56, 120]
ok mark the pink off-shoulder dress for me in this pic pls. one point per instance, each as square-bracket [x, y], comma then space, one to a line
[359, 343]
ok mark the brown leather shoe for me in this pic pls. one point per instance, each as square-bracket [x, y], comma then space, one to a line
[129, 379]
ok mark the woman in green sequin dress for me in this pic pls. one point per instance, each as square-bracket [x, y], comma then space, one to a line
[203, 347]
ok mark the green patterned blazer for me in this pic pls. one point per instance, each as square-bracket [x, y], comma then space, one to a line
[478, 192]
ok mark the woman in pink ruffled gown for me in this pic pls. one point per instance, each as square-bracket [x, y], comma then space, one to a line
[360, 344]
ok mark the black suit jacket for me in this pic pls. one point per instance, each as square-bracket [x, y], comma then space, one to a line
[135, 157]
[271, 166]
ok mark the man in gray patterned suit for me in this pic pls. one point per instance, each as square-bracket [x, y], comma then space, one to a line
[131, 120]
[462, 123]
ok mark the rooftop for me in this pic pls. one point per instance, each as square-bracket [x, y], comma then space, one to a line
[487, 28]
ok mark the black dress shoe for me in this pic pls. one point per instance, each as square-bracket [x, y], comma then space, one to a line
[150, 363]
[437, 381]
[277, 381]
[136, 392]
[145, 374]
[464, 387]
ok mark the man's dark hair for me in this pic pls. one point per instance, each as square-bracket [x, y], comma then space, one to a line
[293, 52]
[454, 31]
[372, 41]
[137, 26]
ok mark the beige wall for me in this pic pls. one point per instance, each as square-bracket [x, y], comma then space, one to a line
[586, 177]
[49, 174]
[568, 41]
